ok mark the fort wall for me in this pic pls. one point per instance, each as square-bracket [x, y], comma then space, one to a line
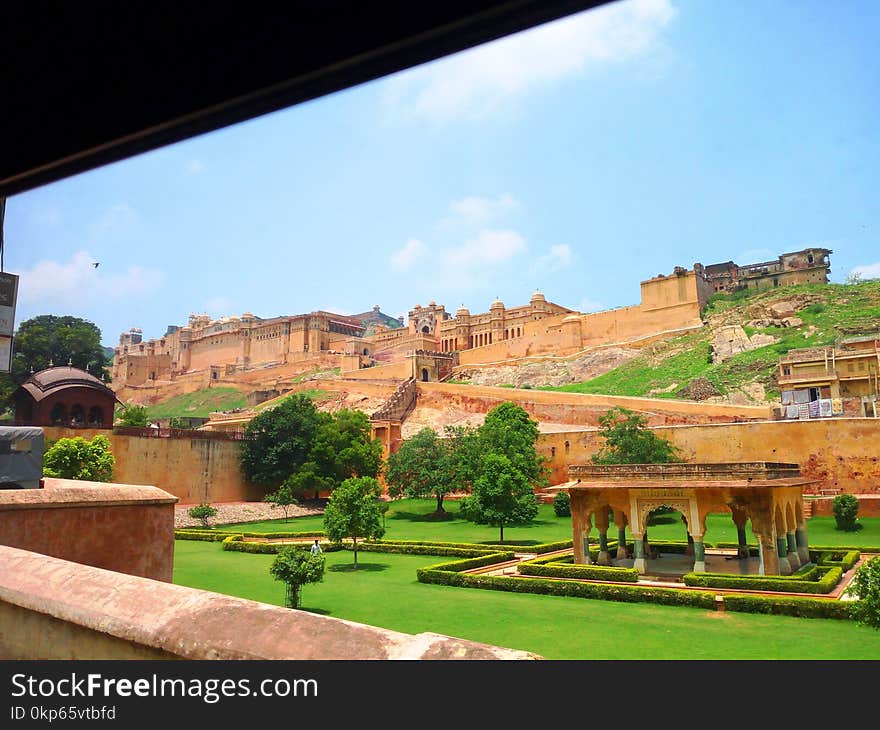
[840, 452]
[195, 470]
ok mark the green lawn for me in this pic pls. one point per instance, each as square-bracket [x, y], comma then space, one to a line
[384, 592]
[199, 404]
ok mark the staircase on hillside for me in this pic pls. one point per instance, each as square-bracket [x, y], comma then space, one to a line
[400, 404]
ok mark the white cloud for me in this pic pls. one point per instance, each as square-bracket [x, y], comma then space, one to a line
[117, 219]
[219, 306]
[589, 305]
[77, 282]
[559, 257]
[195, 167]
[756, 256]
[867, 271]
[483, 80]
[475, 210]
[406, 257]
[488, 248]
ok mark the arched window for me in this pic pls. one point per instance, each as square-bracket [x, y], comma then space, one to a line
[425, 375]
[77, 415]
[567, 446]
[58, 416]
[426, 330]
[96, 416]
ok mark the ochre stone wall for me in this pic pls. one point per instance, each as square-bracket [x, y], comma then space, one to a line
[125, 528]
[580, 409]
[840, 452]
[193, 470]
[393, 371]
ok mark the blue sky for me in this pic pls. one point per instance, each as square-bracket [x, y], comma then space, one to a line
[578, 158]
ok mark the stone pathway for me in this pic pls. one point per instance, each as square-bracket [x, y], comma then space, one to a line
[231, 513]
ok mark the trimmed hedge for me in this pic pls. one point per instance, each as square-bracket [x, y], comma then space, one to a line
[204, 536]
[584, 572]
[410, 549]
[782, 584]
[793, 606]
[440, 575]
[454, 567]
[843, 559]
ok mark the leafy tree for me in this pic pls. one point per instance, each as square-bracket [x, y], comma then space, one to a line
[562, 504]
[504, 467]
[503, 495]
[845, 507]
[509, 430]
[353, 511]
[202, 512]
[134, 416]
[422, 467]
[629, 441]
[282, 497]
[296, 567]
[77, 458]
[58, 340]
[296, 444]
[279, 441]
[866, 585]
[343, 447]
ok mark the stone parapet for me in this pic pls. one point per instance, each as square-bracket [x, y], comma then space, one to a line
[55, 609]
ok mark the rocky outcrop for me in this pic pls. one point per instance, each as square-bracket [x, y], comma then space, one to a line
[731, 340]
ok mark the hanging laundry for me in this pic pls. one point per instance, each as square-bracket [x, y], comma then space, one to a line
[791, 411]
[824, 407]
[801, 396]
[803, 410]
[787, 397]
[837, 406]
[814, 409]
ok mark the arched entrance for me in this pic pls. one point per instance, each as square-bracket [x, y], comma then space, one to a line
[425, 377]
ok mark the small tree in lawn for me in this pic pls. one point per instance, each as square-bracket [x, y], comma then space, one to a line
[629, 441]
[845, 507]
[202, 512]
[353, 511]
[296, 567]
[421, 468]
[866, 585]
[562, 504]
[502, 495]
[282, 497]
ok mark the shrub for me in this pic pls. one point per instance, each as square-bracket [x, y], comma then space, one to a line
[202, 512]
[866, 585]
[784, 584]
[845, 507]
[296, 566]
[562, 504]
[78, 458]
[583, 572]
[793, 606]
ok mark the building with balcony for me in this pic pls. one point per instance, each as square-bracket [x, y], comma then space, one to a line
[832, 381]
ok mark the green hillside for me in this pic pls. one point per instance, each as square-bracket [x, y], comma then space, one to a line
[199, 404]
[829, 312]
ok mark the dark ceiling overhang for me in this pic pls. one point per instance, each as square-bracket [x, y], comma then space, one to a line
[89, 83]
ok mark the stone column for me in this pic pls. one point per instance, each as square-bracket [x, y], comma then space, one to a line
[803, 546]
[581, 525]
[769, 557]
[782, 552]
[621, 542]
[699, 555]
[639, 553]
[794, 560]
[602, 526]
[739, 519]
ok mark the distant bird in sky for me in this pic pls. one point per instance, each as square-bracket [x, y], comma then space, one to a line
[96, 264]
